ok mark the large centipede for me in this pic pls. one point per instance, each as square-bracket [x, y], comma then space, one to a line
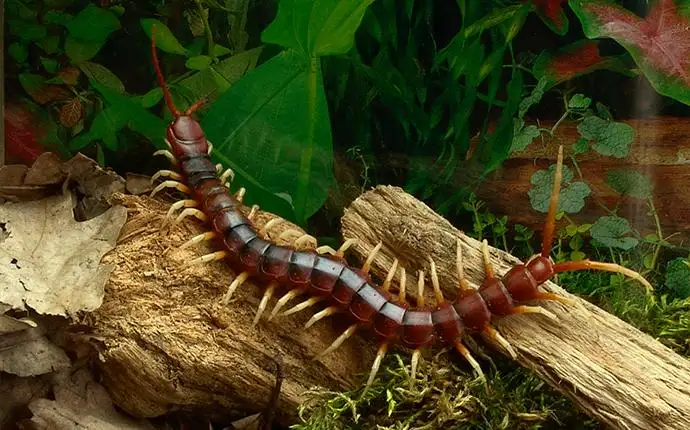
[325, 276]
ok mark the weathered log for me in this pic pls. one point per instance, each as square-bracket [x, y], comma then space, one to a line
[661, 151]
[614, 372]
[166, 342]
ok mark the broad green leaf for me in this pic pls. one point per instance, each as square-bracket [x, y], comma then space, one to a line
[324, 27]
[579, 101]
[220, 50]
[572, 195]
[199, 62]
[19, 52]
[57, 17]
[678, 277]
[79, 50]
[49, 64]
[152, 97]
[272, 128]
[630, 183]
[659, 43]
[611, 231]
[93, 24]
[101, 75]
[523, 137]
[26, 30]
[50, 44]
[165, 39]
[610, 138]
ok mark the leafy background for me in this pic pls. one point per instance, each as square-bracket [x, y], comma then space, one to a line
[313, 102]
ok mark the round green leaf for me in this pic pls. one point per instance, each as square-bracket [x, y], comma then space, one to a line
[80, 50]
[101, 75]
[93, 24]
[630, 183]
[152, 98]
[19, 52]
[199, 62]
[610, 231]
[678, 277]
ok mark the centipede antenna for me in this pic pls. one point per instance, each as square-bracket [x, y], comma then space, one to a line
[389, 277]
[377, 363]
[536, 310]
[571, 266]
[488, 268]
[550, 224]
[203, 237]
[370, 259]
[214, 256]
[420, 289]
[344, 247]
[264, 302]
[339, 341]
[283, 300]
[190, 212]
[434, 281]
[305, 304]
[402, 289]
[159, 74]
[179, 186]
[493, 334]
[414, 362]
[468, 356]
[239, 280]
[331, 310]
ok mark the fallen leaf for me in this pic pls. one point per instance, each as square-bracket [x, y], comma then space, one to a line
[27, 352]
[45, 170]
[51, 263]
[138, 184]
[81, 403]
[13, 174]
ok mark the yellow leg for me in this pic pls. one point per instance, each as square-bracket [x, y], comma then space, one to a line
[377, 363]
[344, 247]
[188, 203]
[331, 310]
[305, 304]
[434, 281]
[210, 148]
[325, 249]
[179, 186]
[414, 363]
[239, 280]
[389, 277]
[492, 333]
[264, 302]
[214, 256]
[283, 301]
[370, 259]
[228, 174]
[534, 310]
[239, 196]
[252, 212]
[190, 212]
[264, 230]
[420, 290]
[339, 341]
[167, 154]
[466, 353]
[203, 237]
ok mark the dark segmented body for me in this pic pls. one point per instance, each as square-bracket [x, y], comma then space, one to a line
[344, 286]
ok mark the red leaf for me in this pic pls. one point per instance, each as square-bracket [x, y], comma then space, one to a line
[23, 132]
[659, 43]
[553, 15]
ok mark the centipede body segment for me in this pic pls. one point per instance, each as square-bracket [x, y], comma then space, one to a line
[326, 278]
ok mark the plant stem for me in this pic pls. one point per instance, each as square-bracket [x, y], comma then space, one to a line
[659, 233]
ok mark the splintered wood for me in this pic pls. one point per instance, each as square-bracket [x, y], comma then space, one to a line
[611, 370]
[166, 342]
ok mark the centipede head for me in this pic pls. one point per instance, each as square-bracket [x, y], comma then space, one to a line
[183, 128]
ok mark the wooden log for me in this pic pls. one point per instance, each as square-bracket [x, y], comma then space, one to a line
[611, 370]
[166, 342]
[661, 150]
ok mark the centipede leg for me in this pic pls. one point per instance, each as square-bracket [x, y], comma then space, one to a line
[414, 362]
[179, 186]
[227, 174]
[187, 203]
[377, 363]
[305, 304]
[389, 277]
[331, 310]
[537, 310]
[370, 259]
[193, 108]
[239, 280]
[466, 353]
[339, 341]
[167, 154]
[264, 302]
[283, 301]
[264, 230]
[214, 256]
[495, 335]
[190, 212]
[304, 241]
[463, 284]
[344, 247]
[166, 174]
[253, 212]
[325, 249]
[239, 196]
[203, 237]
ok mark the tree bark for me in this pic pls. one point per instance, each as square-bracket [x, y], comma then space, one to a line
[166, 342]
[611, 370]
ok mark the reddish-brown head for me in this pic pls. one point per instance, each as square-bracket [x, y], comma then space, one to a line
[541, 268]
[184, 134]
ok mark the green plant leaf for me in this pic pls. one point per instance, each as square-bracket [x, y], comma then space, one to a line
[220, 50]
[57, 17]
[26, 30]
[611, 138]
[152, 97]
[19, 52]
[552, 14]
[659, 43]
[79, 50]
[523, 137]
[630, 183]
[93, 24]
[534, 97]
[50, 44]
[610, 231]
[678, 277]
[199, 62]
[579, 101]
[581, 146]
[102, 75]
[49, 64]
[165, 39]
[272, 128]
[572, 195]
[325, 27]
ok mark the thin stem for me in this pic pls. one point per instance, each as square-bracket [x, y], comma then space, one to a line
[207, 27]
[659, 233]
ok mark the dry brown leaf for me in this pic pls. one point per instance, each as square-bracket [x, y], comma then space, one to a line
[81, 403]
[49, 261]
[70, 113]
[46, 170]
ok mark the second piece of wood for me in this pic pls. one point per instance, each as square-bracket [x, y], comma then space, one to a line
[614, 372]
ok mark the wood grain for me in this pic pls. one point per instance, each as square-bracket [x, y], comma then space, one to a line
[611, 370]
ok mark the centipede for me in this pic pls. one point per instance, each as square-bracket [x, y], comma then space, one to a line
[325, 277]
